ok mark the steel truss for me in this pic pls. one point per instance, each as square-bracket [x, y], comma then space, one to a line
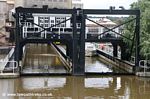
[75, 42]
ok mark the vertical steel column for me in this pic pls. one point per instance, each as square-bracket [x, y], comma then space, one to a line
[123, 54]
[20, 51]
[82, 46]
[69, 49]
[75, 44]
[137, 41]
[17, 41]
[115, 50]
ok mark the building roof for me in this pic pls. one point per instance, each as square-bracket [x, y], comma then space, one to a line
[2, 0]
[10, 1]
[101, 21]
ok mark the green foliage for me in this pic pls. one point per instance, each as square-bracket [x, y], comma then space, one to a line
[144, 6]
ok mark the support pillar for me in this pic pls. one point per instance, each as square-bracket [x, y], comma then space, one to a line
[82, 46]
[78, 44]
[74, 44]
[115, 50]
[17, 38]
[69, 49]
[137, 41]
[21, 51]
[123, 52]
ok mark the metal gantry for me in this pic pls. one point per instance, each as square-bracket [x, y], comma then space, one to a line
[76, 40]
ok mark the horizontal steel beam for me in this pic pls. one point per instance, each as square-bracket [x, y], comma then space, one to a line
[111, 12]
[104, 40]
[44, 11]
[71, 11]
[43, 41]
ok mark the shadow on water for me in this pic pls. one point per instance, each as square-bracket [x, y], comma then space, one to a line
[98, 87]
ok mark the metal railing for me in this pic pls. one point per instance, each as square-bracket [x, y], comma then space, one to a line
[132, 59]
[36, 32]
[13, 66]
[23, 57]
[67, 59]
[101, 36]
[145, 64]
[3, 62]
[106, 50]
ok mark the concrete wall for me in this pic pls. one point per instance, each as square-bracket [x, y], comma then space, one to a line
[5, 7]
[77, 4]
[123, 65]
[40, 3]
[19, 3]
[3, 13]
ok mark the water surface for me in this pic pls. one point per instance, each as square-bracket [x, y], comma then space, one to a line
[98, 87]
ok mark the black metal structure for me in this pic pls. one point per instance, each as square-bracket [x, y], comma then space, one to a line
[76, 41]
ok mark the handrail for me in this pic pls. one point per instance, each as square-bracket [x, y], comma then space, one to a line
[23, 56]
[14, 66]
[6, 59]
[106, 51]
[68, 60]
[144, 64]
[132, 59]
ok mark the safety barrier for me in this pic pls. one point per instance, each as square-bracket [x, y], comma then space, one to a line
[11, 67]
[66, 58]
[145, 64]
[3, 62]
[23, 57]
[117, 62]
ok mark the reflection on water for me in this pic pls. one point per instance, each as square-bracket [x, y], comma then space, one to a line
[98, 83]
[43, 83]
[42, 58]
[94, 65]
[108, 87]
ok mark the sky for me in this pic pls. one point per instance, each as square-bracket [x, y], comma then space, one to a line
[105, 4]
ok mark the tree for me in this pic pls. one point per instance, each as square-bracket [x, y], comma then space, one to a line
[144, 7]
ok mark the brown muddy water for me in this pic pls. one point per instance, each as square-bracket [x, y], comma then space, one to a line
[70, 87]
[44, 59]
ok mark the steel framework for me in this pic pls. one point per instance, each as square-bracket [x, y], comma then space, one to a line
[76, 41]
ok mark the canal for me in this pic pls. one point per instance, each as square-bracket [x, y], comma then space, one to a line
[69, 87]
[42, 58]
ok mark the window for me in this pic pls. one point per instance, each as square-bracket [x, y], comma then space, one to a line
[44, 21]
[60, 19]
[93, 30]
[46, 25]
[63, 25]
[61, 0]
[52, 21]
[54, 0]
[52, 25]
[79, 25]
